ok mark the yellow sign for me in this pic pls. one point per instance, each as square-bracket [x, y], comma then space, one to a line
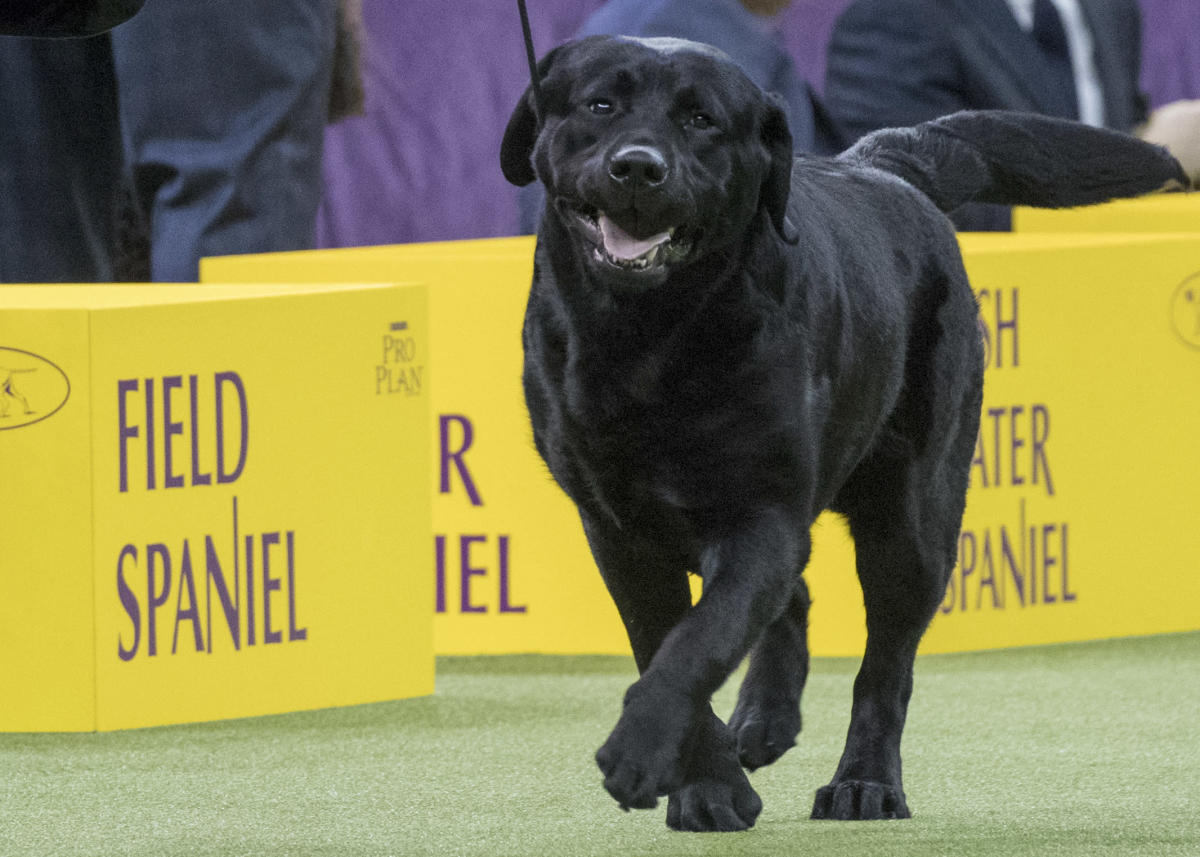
[1080, 521]
[216, 501]
[1042, 557]
[512, 571]
[1165, 212]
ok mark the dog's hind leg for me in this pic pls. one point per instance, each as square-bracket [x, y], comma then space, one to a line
[901, 590]
[766, 719]
[905, 509]
[706, 786]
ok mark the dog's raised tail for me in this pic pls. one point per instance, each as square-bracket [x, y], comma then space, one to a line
[1018, 159]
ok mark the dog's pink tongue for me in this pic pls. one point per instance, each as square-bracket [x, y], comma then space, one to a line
[621, 245]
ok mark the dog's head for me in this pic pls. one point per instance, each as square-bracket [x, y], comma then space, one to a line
[654, 152]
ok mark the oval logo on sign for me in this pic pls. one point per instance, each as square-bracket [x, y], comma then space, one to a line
[31, 388]
[1185, 311]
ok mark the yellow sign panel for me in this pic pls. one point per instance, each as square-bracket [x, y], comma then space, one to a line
[227, 512]
[1166, 212]
[1080, 519]
[1072, 324]
[512, 571]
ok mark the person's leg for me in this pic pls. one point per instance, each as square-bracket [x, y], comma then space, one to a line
[223, 105]
[60, 145]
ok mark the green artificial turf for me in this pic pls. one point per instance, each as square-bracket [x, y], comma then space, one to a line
[1090, 749]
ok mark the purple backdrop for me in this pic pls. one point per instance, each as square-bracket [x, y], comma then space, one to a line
[423, 163]
[1170, 50]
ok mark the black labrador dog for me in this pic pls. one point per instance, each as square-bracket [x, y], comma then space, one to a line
[722, 341]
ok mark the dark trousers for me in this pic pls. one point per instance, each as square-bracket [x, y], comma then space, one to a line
[212, 114]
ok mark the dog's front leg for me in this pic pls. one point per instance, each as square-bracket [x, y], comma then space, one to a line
[707, 786]
[650, 589]
[665, 723]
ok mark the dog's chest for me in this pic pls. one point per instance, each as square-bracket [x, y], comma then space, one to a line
[647, 399]
[668, 439]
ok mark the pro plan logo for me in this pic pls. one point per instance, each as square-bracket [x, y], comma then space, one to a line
[399, 371]
[31, 388]
[1185, 311]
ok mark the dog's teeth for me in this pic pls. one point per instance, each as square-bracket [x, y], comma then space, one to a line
[622, 245]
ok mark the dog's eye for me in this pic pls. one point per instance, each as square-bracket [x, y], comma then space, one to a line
[600, 106]
[700, 121]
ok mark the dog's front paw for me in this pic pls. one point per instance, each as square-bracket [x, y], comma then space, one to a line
[714, 805]
[717, 795]
[643, 758]
[860, 800]
[765, 730]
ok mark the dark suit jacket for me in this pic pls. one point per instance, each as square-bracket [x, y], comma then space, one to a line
[63, 18]
[899, 62]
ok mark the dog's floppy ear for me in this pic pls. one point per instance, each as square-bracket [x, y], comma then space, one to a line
[777, 140]
[522, 130]
[517, 146]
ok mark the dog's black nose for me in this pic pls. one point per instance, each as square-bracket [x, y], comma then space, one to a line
[638, 165]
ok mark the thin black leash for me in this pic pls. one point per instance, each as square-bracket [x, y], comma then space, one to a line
[534, 83]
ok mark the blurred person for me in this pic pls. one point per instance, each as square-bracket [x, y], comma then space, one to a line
[1177, 126]
[901, 62]
[748, 32]
[211, 115]
[64, 19]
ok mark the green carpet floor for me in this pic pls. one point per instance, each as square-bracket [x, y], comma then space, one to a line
[1090, 749]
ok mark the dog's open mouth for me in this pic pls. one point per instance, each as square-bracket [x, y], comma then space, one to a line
[614, 246]
[623, 249]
